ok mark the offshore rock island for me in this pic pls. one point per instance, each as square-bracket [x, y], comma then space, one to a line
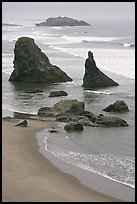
[62, 21]
[32, 65]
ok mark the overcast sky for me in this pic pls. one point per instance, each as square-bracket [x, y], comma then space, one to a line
[78, 10]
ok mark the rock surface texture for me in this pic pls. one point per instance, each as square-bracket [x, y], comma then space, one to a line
[119, 106]
[32, 65]
[57, 93]
[62, 21]
[93, 77]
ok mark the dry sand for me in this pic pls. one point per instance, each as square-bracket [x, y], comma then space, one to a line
[29, 176]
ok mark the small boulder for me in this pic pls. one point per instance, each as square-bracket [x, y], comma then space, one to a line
[72, 126]
[24, 123]
[53, 131]
[57, 93]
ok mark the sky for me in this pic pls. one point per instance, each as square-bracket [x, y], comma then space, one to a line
[79, 10]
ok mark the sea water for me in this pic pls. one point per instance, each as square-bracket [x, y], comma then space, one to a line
[109, 152]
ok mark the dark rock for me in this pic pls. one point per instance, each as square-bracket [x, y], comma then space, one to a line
[83, 120]
[118, 106]
[46, 112]
[32, 65]
[24, 123]
[33, 90]
[103, 121]
[62, 21]
[73, 126]
[70, 106]
[57, 93]
[90, 115]
[63, 118]
[53, 131]
[93, 77]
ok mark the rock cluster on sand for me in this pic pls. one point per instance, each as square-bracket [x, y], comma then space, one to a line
[32, 65]
[93, 77]
[62, 21]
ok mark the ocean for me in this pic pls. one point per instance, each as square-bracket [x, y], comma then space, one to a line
[109, 152]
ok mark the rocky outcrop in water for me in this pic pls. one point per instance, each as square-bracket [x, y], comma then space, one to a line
[57, 93]
[93, 77]
[105, 121]
[74, 111]
[32, 65]
[73, 126]
[70, 106]
[62, 21]
[119, 106]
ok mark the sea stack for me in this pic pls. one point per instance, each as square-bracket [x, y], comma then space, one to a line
[32, 65]
[93, 77]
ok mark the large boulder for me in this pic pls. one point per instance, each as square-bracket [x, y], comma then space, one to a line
[32, 65]
[119, 106]
[93, 77]
[70, 106]
[104, 121]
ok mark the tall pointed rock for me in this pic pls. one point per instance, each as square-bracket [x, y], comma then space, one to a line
[93, 77]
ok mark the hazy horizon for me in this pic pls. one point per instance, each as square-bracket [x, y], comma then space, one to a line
[17, 11]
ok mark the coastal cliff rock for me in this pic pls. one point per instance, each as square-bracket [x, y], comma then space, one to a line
[93, 77]
[62, 21]
[32, 65]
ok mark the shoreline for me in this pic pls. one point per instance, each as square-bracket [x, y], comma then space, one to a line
[92, 180]
[34, 177]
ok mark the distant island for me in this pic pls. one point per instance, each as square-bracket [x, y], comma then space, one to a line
[62, 21]
[9, 24]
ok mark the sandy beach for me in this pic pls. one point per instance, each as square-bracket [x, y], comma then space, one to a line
[28, 176]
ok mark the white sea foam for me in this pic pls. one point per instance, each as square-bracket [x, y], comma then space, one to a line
[99, 92]
[75, 39]
[109, 166]
[128, 44]
[6, 54]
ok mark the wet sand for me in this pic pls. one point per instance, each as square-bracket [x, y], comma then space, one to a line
[27, 176]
